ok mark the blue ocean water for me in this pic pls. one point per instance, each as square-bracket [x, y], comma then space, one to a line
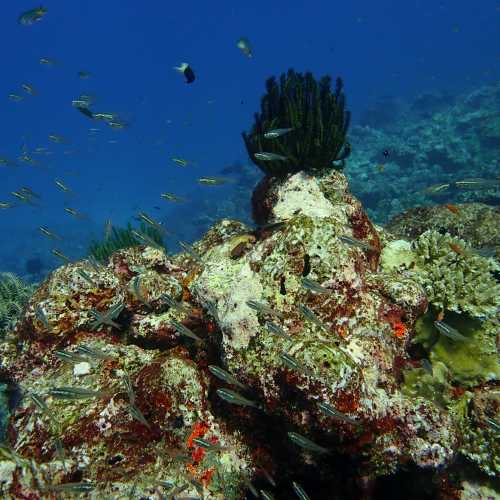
[129, 49]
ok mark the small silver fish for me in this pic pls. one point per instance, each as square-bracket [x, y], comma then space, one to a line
[493, 424]
[75, 393]
[293, 364]
[93, 353]
[244, 45]
[269, 157]
[171, 302]
[225, 376]
[306, 443]
[150, 221]
[129, 387]
[136, 289]
[82, 487]
[263, 308]
[356, 243]
[137, 414]
[314, 286]
[47, 232]
[330, 411]
[449, 331]
[236, 398]
[310, 316]
[203, 443]
[250, 486]
[277, 132]
[39, 402]
[299, 491]
[213, 181]
[60, 184]
[69, 357]
[182, 330]
[266, 495]
[86, 276]
[277, 330]
[59, 254]
[147, 239]
[40, 316]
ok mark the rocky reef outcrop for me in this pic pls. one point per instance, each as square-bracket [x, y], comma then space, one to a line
[301, 351]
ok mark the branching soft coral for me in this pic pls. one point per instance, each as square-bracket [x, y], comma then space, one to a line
[14, 294]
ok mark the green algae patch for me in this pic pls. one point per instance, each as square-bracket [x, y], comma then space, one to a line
[470, 362]
[435, 387]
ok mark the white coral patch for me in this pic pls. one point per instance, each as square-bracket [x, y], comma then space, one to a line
[81, 369]
[302, 194]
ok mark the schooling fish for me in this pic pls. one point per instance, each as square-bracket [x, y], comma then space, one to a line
[187, 71]
[75, 393]
[29, 89]
[93, 353]
[147, 239]
[330, 411]
[299, 491]
[32, 16]
[356, 243]
[310, 316]
[263, 308]
[47, 232]
[137, 415]
[314, 286]
[293, 364]
[244, 45]
[269, 157]
[82, 487]
[236, 398]
[150, 221]
[277, 330]
[41, 316]
[277, 132]
[171, 302]
[213, 181]
[306, 443]
[225, 376]
[449, 331]
[172, 197]
[182, 330]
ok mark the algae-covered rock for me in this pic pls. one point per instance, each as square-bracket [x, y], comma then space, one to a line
[318, 334]
[476, 223]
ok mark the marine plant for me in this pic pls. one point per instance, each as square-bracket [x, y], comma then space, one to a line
[456, 278]
[122, 238]
[14, 294]
[316, 116]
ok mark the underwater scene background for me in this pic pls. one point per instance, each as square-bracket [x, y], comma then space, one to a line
[250, 249]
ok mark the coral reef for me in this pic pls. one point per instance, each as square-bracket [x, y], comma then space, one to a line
[14, 294]
[459, 139]
[455, 278]
[318, 120]
[476, 223]
[115, 363]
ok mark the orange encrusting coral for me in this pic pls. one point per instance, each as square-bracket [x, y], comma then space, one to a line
[399, 329]
[199, 430]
